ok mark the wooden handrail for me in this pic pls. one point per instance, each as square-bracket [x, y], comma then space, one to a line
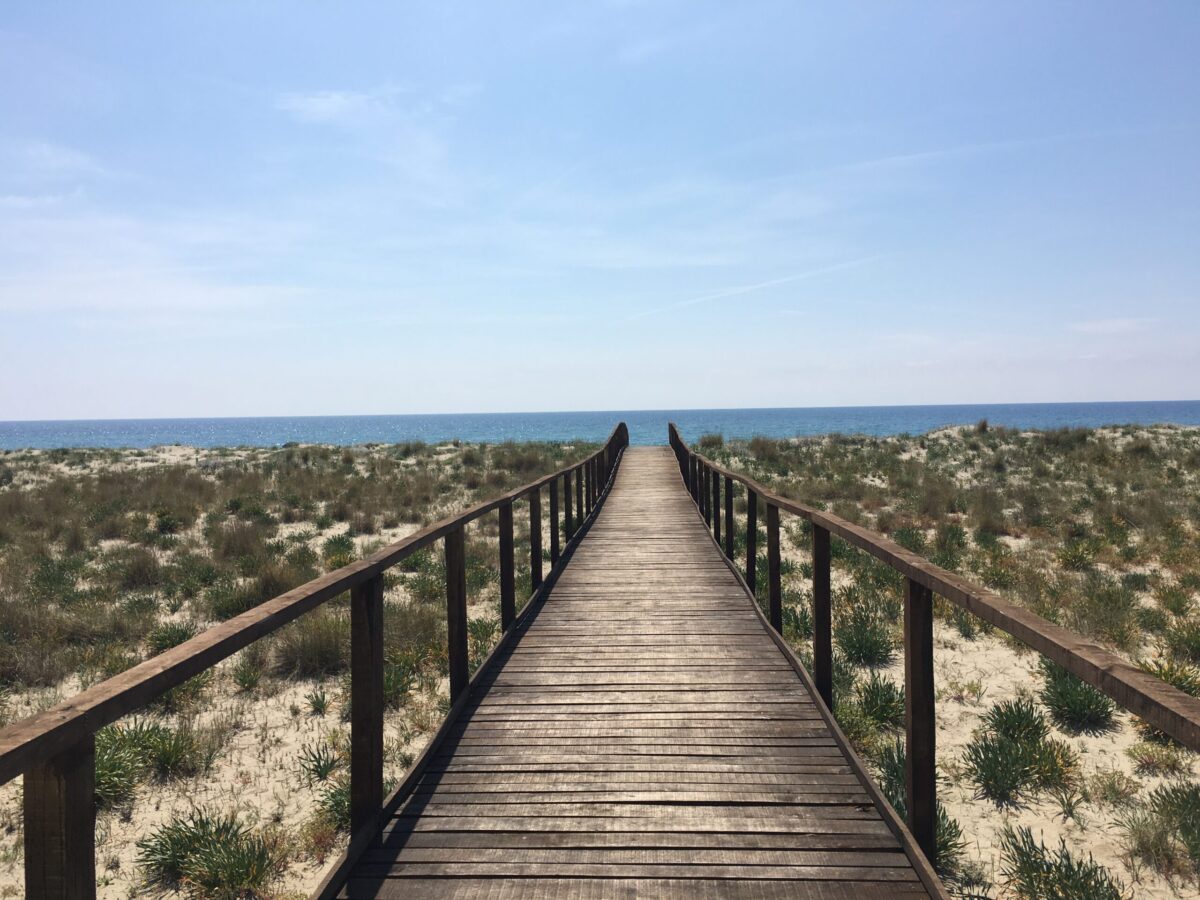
[55, 748]
[1162, 705]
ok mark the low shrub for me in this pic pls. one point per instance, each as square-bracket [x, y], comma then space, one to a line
[170, 634]
[1032, 872]
[881, 700]
[1182, 638]
[864, 636]
[1074, 705]
[1013, 754]
[315, 645]
[211, 855]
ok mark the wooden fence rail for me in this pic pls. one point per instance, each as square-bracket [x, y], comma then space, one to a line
[55, 750]
[1160, 704]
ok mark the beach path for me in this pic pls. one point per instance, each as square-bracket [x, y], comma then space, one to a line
[643, 735]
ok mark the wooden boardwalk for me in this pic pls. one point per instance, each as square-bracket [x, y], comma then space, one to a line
[642, 736]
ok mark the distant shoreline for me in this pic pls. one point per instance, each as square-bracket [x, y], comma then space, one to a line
[646, 426]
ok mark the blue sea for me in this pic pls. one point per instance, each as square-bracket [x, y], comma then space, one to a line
[645, 426]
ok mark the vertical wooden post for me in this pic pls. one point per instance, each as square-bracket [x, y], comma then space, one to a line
[456, 612]
[579, 497]
[822, 616]
[508, 590]
[775, 588]
[752, 540]
[706, 496]
[535, 537]
[555, 548]
[728, 518]
[716, 506]
[586, 478]
[919, 719]
[568, 518]
[60, 824]
[685, 467]
[695, 479]
[366, 704]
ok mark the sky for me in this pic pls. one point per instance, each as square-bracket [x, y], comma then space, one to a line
[230, 208]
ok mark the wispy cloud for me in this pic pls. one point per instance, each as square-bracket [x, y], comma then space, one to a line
[1112, 326]
[752, 288]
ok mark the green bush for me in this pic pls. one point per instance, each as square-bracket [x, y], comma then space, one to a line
[864, 636]
[119, 769]
[211, 855]
[1013, 754]
[170, 634]
[1183, 639]
[1074, 704]
[1033, 872]
[1164, 832]
[881, 700]
[315, 645]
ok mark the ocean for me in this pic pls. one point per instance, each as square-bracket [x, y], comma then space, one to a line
[645, 426]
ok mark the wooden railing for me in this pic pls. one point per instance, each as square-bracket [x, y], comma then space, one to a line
[1162, 705]
[55, 750]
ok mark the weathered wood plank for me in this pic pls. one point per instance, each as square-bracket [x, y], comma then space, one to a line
[642, 729]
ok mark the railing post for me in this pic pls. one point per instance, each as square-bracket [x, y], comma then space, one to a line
[366, 704]
[568, 518]
[822, 616]
[508, 590]
[694, 480]
[775, 589]
[585, 477]
[456, 612]
[752, 540]
[919, 717]
[716, 506]
[555, 549]
[706, 496]
[579, 496]
[728, 518]
[60, 824]
[535, 537]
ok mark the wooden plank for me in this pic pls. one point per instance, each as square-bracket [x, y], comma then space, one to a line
[366, 705]
[535, 538]
[822, 615]
[597, 752]
[60, 825]
[728, 517]
[919, 716]
[456, 613]
[508, 591]
[752, 540]
[555, 548]
[774, 585]
[716, 508]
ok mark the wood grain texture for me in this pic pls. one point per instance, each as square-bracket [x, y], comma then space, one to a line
[366, 704]
[641, 736]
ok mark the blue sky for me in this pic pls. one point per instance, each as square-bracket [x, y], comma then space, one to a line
[298, 208]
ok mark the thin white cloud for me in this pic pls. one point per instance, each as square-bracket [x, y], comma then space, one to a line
[325, 107]
[1112, 326]
[757, 286]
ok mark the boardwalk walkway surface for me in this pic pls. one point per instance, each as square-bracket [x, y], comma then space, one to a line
[643, 736]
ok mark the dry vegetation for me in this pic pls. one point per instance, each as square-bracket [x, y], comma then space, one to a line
[1047, 789]
[233, 784]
